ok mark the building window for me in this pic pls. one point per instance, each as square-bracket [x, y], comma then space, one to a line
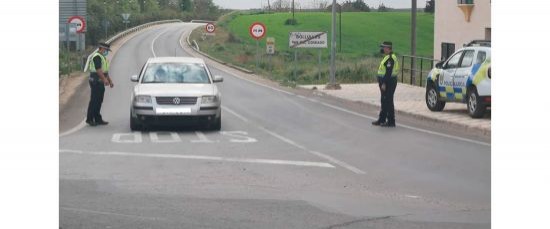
[447, 49]
[463, 2]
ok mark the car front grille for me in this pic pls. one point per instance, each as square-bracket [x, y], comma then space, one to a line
[176, 100]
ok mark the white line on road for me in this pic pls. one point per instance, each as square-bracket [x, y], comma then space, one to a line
[407, 126]
[210, 158]
[153, 42]
[290, 142]
[74, 129]
[105, 213]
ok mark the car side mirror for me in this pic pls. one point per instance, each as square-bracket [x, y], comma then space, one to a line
[134, 78]
[439, 65]
[217, 79]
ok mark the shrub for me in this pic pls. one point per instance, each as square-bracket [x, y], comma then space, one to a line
[291, 21]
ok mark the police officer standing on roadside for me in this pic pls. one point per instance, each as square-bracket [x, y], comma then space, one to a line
[99, 78]
[387, 80]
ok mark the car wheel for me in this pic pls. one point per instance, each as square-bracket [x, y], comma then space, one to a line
[432, 99]
[134, 124]
[216, 124]
[476, 108]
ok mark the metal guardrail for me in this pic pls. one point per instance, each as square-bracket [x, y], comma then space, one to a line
[418, 69]
[126, 33]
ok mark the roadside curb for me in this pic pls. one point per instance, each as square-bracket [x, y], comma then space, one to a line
[436, 121]
[196, 49]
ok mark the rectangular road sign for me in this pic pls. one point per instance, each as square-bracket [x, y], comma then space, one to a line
[270, 45]
[308, 40]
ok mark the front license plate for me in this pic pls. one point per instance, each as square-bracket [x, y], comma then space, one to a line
[174, 111]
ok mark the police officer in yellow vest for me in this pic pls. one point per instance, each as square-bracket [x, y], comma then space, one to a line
[99, 78]
[387, 80]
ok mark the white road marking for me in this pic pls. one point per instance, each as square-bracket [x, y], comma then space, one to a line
[202, 138]
[239, 136]
[407, 126]
[74, 129]
[321, 155]
[412, 196]
[105, 213]
[174, 137]
[135, 137]
[290, 142]
[153, 42]
[210, 158]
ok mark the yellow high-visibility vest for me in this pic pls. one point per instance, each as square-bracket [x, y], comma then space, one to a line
[382, 68]
[104, 63]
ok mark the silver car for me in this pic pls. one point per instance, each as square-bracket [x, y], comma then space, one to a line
[175, 91]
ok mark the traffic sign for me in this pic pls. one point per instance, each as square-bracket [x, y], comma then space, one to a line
[270, 45]
[210, 28]
[257, 30]
[308, 40]
[80, 23]
[125, 16]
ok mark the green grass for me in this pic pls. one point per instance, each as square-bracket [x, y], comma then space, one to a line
[361, 32]
[357, 62]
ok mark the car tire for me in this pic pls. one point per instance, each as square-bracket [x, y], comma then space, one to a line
[432, 98]
[134, 124]
[476, 108]
[216, 125]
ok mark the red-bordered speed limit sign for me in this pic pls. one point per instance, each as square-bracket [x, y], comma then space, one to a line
[257, 30]
[210, 28]
[80, 23]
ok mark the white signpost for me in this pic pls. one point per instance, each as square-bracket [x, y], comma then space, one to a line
[308, 40]
[315, 40]
[270, 45]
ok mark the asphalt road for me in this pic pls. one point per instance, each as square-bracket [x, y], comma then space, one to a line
[281, 160]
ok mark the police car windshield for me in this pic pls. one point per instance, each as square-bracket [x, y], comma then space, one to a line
[191, 73]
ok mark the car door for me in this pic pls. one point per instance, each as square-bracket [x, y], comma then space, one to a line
[462, 74]
[446, 90]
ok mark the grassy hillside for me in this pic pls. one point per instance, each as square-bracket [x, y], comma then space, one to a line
[361, 32]
[356, 62]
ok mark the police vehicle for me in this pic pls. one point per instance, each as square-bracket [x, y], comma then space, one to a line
[465, 77]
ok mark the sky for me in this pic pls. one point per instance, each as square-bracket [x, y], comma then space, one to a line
[247, 4]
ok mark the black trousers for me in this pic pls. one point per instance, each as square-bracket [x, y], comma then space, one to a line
[387, 112]
[96, 99]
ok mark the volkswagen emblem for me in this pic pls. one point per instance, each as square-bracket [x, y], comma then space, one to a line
[176, 101]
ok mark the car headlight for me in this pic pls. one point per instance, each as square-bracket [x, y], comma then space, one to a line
[143, 99]
[209, 99]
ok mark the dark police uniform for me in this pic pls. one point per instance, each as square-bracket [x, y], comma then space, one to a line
[97, 87]
[387, 74]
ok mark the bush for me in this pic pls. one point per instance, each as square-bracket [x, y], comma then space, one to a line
[291, 21]
[233, 39]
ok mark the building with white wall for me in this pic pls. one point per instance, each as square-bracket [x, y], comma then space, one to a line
[457, 22]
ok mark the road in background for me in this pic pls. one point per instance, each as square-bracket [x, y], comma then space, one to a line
[281, 160]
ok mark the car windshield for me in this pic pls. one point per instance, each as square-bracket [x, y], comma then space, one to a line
[192, 73]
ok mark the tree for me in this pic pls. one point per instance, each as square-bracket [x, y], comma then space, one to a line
[430, 6]
[383, 8]
[186, 5]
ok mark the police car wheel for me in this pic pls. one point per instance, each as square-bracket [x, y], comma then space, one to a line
[432, 99]
[476, 109]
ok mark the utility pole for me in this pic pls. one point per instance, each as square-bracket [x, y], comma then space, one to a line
[293, 11]
[332, 84]
[268, 6]
[413, 42]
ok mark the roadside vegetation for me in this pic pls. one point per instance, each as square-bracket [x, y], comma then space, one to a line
[105, 20]
[357, 50]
